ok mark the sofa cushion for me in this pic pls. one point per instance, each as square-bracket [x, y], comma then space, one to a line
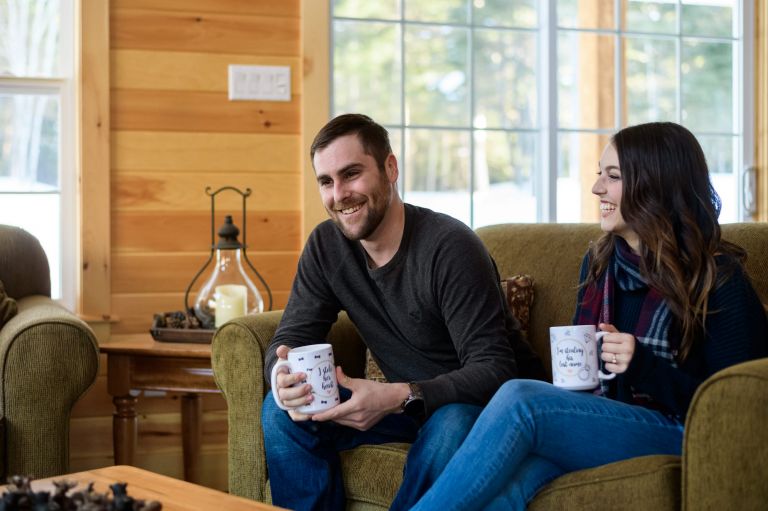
[518, 290]
[8, 308]
[647, 482]
[372, 475]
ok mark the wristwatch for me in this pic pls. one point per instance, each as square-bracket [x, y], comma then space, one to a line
[413, 406]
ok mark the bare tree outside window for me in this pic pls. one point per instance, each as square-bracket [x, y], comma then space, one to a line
[33, 75]
[494, 126]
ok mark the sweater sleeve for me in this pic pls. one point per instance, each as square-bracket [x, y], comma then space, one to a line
[467, 290]
[311, 309]
[736, 332]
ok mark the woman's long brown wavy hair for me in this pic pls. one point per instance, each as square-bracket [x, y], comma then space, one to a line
[668, 200]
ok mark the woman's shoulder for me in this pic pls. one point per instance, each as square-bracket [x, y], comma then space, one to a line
[728, 266]
[732, 279]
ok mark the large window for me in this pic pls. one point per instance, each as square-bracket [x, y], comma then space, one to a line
[499, 109]
[37, 130]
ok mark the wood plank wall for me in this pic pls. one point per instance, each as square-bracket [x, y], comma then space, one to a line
[174, 132]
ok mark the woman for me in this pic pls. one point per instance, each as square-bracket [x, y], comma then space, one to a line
[677, 305]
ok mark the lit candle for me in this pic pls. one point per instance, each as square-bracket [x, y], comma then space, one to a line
[230, 303]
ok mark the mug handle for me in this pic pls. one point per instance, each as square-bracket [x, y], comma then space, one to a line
[273, 380]
[600, 374]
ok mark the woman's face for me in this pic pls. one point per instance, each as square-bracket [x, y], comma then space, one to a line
[608, 188]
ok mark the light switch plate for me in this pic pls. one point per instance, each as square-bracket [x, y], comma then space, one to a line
[259, 83]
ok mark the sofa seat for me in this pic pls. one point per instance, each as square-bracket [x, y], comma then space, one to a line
[373, 473]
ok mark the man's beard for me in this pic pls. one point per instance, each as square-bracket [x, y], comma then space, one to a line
[377, 206]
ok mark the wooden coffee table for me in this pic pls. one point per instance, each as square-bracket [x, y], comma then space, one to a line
[173, 494]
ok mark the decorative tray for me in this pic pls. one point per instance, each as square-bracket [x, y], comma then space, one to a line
[194, 335]
[176, 326]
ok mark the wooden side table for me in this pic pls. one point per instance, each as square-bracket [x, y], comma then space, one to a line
[138, 362]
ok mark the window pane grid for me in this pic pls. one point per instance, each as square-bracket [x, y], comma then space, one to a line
[465, 123]
[704, 63]
[641, 89]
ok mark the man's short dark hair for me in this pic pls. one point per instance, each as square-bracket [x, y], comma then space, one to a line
[373, 137]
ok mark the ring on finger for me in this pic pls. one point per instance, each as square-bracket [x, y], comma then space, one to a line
[614, 360]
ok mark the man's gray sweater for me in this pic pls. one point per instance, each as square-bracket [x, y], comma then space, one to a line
[434, 314]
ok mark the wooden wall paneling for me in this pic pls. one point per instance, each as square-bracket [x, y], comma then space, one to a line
[174, 132]
[209, 152]
[159, 445]
[136, 309]
[200, 111]
[94, 279]
[286, 8]
[183, 71]
[169, 272]
[761, 107]
[144, 231]
[315, 101]
[198, 31]
[165, 191]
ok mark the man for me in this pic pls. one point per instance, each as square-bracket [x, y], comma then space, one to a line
[425, 296]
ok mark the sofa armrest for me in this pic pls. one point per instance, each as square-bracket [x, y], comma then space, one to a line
[725, 450]
[237, 358]
[48, 360]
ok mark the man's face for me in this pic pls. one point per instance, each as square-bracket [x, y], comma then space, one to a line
[354, 191]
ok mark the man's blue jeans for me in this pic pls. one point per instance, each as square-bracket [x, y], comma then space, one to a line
[303, 457]
[532, 432]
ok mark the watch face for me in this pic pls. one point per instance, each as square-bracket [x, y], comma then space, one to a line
[414, 407]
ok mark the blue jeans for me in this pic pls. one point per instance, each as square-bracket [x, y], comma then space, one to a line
[532, 432]
[303, 457]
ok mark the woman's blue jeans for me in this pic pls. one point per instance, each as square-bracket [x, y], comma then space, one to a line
[303, 457]
[532, 432]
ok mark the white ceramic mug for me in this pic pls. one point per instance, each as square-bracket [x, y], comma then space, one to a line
[575, 353]
[316, 361]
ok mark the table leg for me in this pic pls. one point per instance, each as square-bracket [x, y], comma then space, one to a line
[124, 429]
[191, 435]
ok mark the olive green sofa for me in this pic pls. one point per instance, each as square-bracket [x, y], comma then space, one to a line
[725, 453]
[48, 359]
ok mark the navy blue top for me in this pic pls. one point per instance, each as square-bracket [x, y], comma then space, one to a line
[736, 330]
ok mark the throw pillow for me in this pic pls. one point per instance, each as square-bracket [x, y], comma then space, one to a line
[518, 291]
[8, 308]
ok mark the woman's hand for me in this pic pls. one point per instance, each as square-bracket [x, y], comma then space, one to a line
[618, 349]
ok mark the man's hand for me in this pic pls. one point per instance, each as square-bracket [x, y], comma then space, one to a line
[292, 397]
[369, 403]
[618, 349]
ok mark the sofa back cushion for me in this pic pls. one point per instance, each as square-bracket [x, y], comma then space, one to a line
[551, 254]
[753, 237]
[23, 264]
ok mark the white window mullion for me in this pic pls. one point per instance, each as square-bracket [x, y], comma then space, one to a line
[69, 159]
[546, 179]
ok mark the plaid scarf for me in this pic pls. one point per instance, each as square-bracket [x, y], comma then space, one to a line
[652, 328]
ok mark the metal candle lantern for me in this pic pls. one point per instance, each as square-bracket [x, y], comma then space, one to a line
[228, 292]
